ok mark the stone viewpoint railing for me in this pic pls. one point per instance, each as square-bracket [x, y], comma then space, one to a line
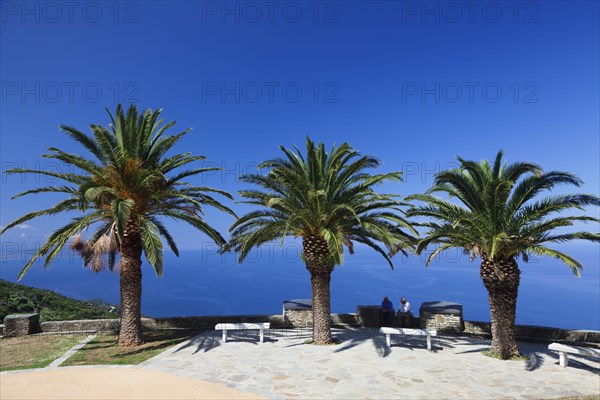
[16, 326]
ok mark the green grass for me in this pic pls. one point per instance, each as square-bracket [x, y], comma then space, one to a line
[34, 351]
[104, 349]
[590, 397]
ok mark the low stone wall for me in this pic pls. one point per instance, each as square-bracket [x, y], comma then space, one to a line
[277, 321]
[90, 325]
[537, 333]
[369, 316]
[200, 322]
[524, 332]
[210, 321]
[345, 320]
[21, 324]
[299, 318]
[444, 323]
[441, 316]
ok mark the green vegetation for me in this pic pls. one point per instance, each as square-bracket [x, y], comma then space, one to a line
[15, 298]
[329, 200]
[104, 349]
[496, 212]
[489, 353]
[34, 351]
[124, 186]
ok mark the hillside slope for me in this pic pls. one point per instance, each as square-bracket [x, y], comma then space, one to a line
[15, 298]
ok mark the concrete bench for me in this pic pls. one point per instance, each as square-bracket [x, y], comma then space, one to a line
[407, 331]
[260, 326]
[563, 351]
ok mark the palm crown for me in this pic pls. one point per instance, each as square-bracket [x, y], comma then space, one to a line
[128, 180]
[499, 217]
[327, 196]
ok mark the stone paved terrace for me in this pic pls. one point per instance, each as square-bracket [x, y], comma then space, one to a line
[363, 367]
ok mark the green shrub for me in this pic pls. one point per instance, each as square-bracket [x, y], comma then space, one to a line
[15, 299]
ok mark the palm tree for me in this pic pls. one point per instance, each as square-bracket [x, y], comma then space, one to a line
[121, 195]
[328, 200]
[498, 218]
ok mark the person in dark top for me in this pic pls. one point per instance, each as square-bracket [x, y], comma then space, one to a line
[387, 310]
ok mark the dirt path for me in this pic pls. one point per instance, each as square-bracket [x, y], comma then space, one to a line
[96, 383]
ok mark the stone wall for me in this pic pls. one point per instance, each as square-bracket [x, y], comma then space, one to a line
[209, 321]
[200, 322]
[524, 332]
[345, 320]
[369, 316]
[441, 316]
[296, 320]
[299, 318]
[444, 323]
[537, 333]
[21, 324]
[90, 325]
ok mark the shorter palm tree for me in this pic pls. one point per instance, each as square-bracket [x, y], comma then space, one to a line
[123, 191]
[327, 199]
[498, 219]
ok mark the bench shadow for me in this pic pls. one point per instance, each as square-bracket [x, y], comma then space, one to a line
[539, 354]
[208, 341]
[295, 337]
[576, 362]
[144, 349]
[352, 338]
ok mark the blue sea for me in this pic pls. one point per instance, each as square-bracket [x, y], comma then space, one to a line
[206, 283]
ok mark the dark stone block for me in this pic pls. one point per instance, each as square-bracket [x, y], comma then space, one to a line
[369, 316]
[441, 307]
[21, 324]
[297, 305]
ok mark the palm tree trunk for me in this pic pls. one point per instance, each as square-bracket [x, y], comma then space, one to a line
[321, 302]
[131, 286]
[501, 279]
[316, 254]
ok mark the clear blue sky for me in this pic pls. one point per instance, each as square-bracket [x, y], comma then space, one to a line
[383, 76]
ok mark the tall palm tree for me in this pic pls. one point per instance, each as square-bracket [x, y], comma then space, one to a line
[121, 194]
[328, 200]
[499, 216]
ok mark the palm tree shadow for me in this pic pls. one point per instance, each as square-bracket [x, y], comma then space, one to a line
[144, 349]
[534, 361]
[351, 338]
[540, 355]
[204, 342]
[354, 338]
[478, 344]
[357, 338]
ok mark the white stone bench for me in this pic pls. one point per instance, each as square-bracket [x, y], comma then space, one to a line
[564, 350]
[407, 331]
[260, 326]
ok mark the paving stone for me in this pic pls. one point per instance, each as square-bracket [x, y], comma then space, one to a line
[360, 367]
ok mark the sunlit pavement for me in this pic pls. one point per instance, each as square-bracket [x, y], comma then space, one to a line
[362, 366]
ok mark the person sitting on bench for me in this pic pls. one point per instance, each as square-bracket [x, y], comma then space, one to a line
[404, 313]
[387, 310]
